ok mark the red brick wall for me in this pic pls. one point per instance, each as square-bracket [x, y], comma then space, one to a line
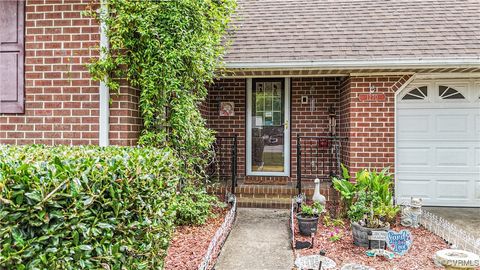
[303, 120]
[307, 121]
[371, 124]
[229, 90]
[61, 100]
[344, 119]
[125, 119]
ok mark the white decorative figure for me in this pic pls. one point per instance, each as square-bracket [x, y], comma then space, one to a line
[317, 197]
[411, 213]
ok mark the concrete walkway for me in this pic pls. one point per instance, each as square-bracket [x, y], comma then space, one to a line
[467, 219]
[259, 240]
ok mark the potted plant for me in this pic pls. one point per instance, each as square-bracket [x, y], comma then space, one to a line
[368, 202]
[308, 218]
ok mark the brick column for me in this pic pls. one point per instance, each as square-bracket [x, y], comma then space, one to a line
[370, 125]
[125, 119]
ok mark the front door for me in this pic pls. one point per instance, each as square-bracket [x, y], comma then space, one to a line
[268, 129]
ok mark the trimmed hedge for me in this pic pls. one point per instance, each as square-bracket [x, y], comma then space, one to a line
[85, 207]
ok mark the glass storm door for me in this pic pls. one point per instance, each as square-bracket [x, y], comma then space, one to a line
[268, 130]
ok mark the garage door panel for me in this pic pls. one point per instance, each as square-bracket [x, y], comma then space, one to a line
[452, 156]
[414, 124]
[477, 190]
[414, 157]
[477, 158]
[453, 189]
[438, 146]
[456, 188]
[477, 124]
[420, 186]
[446, 125]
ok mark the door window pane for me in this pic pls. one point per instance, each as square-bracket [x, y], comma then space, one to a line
[268, 126]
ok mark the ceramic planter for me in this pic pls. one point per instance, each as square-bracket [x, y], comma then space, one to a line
[307, 225]
[360, 235]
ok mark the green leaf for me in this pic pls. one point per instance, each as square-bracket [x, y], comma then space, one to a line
[105, 225]
[35, 196]
[17, 236]
[76, 238]
[85, 247]
[88, 201]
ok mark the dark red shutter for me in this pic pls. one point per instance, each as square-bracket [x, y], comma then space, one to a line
[11, 56]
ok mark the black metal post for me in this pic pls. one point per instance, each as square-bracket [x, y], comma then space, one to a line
[234, 164]
[299, 165]
[338, 153]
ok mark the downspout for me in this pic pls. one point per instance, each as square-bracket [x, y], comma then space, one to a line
[104, 115]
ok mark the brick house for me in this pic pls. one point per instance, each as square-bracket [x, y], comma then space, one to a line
[308, 84]
[49, 98]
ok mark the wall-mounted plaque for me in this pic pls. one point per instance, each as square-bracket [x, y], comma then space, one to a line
[371, 97]
[227, 108]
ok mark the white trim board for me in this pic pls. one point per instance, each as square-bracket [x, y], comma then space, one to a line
[104, 102]
[359, 64]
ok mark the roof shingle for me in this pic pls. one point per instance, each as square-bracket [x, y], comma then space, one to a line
[272, 31]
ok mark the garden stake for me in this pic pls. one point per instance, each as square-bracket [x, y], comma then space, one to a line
[313, 240]
[322, 254]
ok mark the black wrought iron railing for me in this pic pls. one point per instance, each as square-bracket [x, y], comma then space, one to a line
[223, 165]
[318, 157]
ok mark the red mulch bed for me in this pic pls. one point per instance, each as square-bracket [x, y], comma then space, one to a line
[343, 251]
[190, 243]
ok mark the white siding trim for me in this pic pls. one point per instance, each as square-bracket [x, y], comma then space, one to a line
[361, 64]
[104, 106]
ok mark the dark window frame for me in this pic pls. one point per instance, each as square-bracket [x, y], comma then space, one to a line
[8, 48]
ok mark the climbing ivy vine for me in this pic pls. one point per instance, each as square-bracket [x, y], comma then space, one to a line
[170, 50]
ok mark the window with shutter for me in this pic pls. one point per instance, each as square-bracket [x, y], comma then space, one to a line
[11, 56]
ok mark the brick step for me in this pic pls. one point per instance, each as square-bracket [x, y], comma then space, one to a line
[269, 190]
[263, 195]
[276, 203]
[271, 196]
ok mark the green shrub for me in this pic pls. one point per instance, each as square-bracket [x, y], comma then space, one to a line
[369, 200]
[312, 210]
[85, 207]
[193, 206]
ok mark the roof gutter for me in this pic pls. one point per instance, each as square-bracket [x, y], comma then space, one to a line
[361, 64]
[104, 114]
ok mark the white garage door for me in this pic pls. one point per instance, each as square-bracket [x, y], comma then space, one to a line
[438, 143]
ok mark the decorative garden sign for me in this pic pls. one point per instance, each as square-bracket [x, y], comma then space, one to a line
[378, 236]
[377, 244]
[399, 242]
